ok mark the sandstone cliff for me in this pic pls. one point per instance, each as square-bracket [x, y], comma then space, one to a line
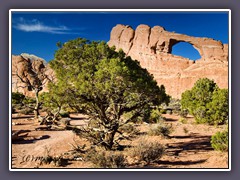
[27, 67]
[152, 47]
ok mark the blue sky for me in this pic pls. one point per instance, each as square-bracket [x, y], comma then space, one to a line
[38, 32]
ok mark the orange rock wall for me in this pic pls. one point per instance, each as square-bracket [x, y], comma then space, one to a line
[152, 48]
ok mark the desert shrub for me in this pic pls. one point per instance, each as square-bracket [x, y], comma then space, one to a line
[206, 102]
[183, 113]
[64, 114]
[29, 100]
[160, 130]
[163, 111]
[107, 159]
[55, 160]
[148, 151]
[59, 161]
[26, 111]
[18, 106]
[151, 115]
[218, 108]
[219, 141]
[17, 98]
[155, 116]
[175, 105]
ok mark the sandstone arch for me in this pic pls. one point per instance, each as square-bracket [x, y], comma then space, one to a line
[194, 49]
[152, 48]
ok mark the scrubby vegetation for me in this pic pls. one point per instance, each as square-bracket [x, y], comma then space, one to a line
[219, 141]
[160, 130]
[107, 159]
[206, 102]
[17, 98]
[22, 103]
[147, 151]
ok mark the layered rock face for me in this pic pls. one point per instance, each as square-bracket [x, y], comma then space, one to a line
[26, 67]
[152, 47]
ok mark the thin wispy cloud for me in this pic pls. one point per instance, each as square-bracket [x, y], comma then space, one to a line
[36, 26]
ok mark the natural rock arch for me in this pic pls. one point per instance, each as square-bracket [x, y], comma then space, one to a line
[152, 48]
[173, 43]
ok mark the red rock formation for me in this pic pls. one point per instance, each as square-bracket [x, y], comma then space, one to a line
[152, 47]
[27, 66]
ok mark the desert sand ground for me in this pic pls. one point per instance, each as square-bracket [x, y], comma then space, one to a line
[188, 146]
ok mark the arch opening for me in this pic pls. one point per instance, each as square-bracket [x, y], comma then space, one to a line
[185, 50]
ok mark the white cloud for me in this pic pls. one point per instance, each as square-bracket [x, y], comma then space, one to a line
[36, 26]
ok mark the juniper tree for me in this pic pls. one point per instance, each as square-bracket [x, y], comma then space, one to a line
[206, 102]
[105, 85]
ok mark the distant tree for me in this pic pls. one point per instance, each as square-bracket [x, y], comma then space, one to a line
[31, 71]
[206, 102]
[105, 85]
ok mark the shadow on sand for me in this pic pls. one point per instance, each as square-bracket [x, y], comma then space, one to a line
[28, 141]
[160, 164]
[23, 117]
[197, 143]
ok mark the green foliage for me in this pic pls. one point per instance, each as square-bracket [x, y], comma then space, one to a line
[219, 141]
[29, 101]
[183, 113]
[155, 116]
[199, 95]
[218, 107]
[148, 151]
[104, 84]
[206, 102]
[17, 98]
[55, 99]
[163, 111]
[26, 111]
[64, 114]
